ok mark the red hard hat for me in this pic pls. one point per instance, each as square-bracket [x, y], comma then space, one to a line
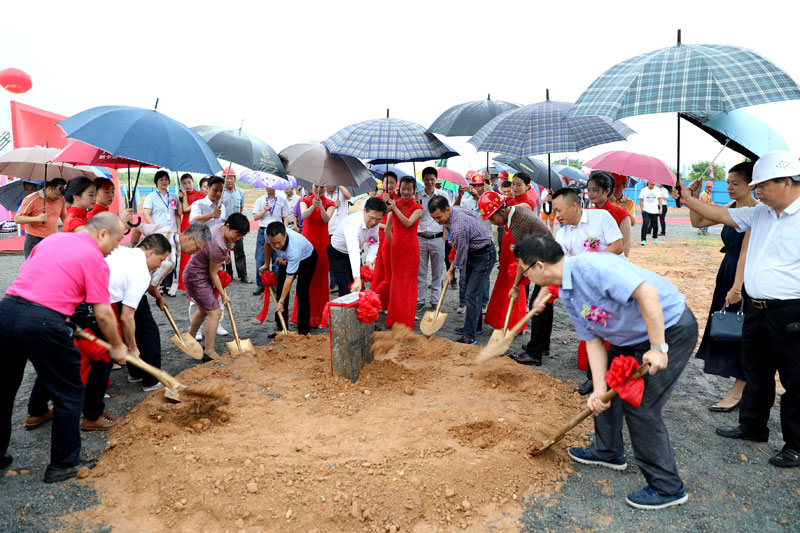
[489, 203]
[477, 179]
[503, 175]
[228, 172]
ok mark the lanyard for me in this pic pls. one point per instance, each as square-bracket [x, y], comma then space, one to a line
[166, 204]
[274, 203]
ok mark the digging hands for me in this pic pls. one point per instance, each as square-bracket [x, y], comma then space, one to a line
[595, 402]
[658, 360]
[541, 300]
[513, 293]
[224, 296]
[118, 352]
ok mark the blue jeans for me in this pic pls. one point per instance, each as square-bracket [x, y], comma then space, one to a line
[479, 266]
[31, 332]
[261, 257]
[462, 290]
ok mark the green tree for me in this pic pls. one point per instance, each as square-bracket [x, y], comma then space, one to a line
[577, 163]
[700, 169]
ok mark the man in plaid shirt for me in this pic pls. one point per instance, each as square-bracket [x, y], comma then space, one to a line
[475, 255]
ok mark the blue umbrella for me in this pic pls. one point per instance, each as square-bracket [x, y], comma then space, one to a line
[740, 131]
[571, 173]
[388, 140]
[143, 135]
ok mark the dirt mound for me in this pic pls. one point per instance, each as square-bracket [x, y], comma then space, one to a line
[423, 441]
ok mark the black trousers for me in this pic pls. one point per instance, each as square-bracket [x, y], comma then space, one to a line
[663, 218]
[541, 327]
[340, 269]
[649, 223]
[30, 242]
[767, 346]
[305, 271]
[31, 332]
[240, 259]
[148, 340]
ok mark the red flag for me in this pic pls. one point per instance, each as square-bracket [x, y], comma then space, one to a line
[618, 378]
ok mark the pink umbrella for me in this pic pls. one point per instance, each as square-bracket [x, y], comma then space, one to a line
[637, 165]
[453, 177]
[80, 153]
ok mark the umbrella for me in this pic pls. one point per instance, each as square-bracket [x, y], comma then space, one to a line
[537, 170]
[143, 135]
[315, 164]
[451, 176]
[388, 140]
[35, 163]
[705, 78]
[379, 170]
[242, 148]
[571, 173]
[632, 164]
[468, 118]
[264, 180]
[80, 153]
[739, 131]
[12, 193]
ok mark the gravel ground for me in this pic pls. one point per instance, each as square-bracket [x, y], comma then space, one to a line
[731, 486]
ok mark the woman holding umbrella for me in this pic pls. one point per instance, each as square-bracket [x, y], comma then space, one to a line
[316, 211]
[80, 194]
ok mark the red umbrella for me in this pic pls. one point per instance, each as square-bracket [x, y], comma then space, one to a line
[631, 164]
[453, 177]
[80, 153]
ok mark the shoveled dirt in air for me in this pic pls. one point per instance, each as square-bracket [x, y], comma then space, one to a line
[425, 441]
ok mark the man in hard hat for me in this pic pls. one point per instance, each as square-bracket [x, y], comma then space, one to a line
[771, 331]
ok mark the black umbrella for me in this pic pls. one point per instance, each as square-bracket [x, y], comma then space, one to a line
[536, 169]
[236, 146]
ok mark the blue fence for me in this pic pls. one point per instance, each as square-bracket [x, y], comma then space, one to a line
[719, 194]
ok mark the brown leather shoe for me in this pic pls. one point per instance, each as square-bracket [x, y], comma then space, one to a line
[106, 421]
[32, 422]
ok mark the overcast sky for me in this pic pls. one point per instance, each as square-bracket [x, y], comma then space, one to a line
[299, 71]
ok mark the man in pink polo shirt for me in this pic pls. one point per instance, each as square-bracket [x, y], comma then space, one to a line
[62, 271]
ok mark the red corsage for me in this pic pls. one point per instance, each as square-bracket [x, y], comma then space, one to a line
[224, 280]
[618, 378]
[369, 304]
[269, 280]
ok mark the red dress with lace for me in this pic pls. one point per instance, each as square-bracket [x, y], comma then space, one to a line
[76, 217]
[316, 231]
[191, 198]
[383, 263]
[405, 268]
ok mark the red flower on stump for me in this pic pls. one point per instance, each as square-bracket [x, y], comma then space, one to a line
[369, 304]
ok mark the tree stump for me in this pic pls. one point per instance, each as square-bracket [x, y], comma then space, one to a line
[349, 339]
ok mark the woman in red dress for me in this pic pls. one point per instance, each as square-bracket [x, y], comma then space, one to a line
[600, 187]
[401, 227]
[187, 196]
[383, 263]
[80, 194]
[316, 211]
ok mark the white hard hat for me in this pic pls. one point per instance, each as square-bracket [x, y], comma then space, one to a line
[776, 164]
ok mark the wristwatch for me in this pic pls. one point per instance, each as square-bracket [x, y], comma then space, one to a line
[663, 348]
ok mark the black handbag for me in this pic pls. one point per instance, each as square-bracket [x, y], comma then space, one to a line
[727, 326]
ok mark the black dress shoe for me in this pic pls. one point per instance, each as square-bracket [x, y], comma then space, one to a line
[525, 358]
[55, 474]
[272, 335]
[788, 458]
[259, 291]
[717, 409]
[585, 388]
[5, 461]
[735, 432]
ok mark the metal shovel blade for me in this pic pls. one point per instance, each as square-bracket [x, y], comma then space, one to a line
[188, 345]
[432, 322]
[239, 346]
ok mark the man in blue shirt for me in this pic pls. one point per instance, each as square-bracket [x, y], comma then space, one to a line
[642, 315]
[296, 258]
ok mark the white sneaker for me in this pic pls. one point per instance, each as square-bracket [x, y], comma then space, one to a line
[151, 388]
[221, 330]
[461, 310]
[173, 290]
[199, 335]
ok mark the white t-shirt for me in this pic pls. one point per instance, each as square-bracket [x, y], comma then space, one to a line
[292, 204]
[162, 207]
[351, 236]
[650, 198]
[204, 207]
[277, 208]
[129, 276]
[594, 224]
[340, 213]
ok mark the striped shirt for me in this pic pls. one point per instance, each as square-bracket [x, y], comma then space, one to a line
[468, 233]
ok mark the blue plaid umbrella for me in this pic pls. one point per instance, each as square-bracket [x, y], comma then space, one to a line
[388, 140]
[544, 128]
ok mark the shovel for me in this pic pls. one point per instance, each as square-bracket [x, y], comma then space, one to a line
[184, 341]
[433, 321]
[237, 345]
[280, 315]
[607, 397]
[499, 345]
[172, 385]
[498, 334]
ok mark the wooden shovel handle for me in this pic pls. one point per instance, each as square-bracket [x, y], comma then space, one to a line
[233, 323]
[508, 315]
[172, 323]
[530, 314]
[280, 315]
[441, 299]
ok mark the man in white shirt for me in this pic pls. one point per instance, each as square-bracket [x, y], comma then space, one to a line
[292, 198]
[650, 202]
[344, 251]
[584, 230]
[771, 330]
[210, 209]
[340, 197]
[268, 208]
[430, 235]
[233, 201]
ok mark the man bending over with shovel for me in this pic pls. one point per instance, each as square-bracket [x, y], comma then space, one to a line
[351, 235]
[642, 315]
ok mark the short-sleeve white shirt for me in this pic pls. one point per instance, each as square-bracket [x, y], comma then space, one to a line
[650, 198]
[277, 208]
[594, 223]
[129, 276]
[204, 207]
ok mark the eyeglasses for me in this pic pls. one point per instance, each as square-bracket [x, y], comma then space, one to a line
[374, 219]
[525, 271]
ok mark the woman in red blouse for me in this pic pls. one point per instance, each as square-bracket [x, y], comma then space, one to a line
[381, 283]
[600, 187]
[80, 194]
[187, 196]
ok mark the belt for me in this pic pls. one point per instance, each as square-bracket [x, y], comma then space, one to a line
[19, 300]
[479, 250]
[773, 304]
[429, 236]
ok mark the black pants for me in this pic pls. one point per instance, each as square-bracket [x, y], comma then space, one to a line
[663, 218]
[541, 327]
[340, 269]
[767, 347]
[31, 332]
[240, 259]
[649, 222]
[30, 242]
[148, 341]
[305, 271]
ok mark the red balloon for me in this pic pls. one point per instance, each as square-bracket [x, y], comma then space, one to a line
[15, 80]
